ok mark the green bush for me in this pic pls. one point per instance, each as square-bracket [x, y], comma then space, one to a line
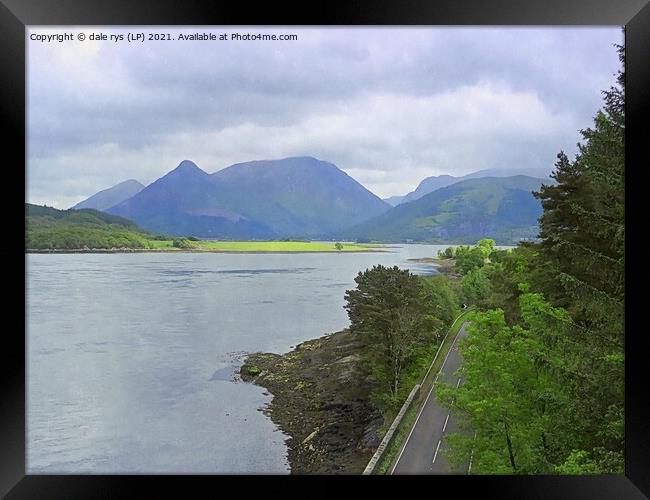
[182, 243]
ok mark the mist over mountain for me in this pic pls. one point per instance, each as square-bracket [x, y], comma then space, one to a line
[111, 196]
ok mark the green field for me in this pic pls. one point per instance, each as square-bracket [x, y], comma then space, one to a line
[267, 246]
[86, 230]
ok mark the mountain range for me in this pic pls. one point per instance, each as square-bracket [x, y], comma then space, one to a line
[294, 197]
[430, 184]
[303, 197]
[500, 208]
[112, 196]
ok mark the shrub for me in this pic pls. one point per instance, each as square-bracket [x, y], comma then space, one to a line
[182, 243]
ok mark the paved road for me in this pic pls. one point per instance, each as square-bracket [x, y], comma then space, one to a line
[421, 453]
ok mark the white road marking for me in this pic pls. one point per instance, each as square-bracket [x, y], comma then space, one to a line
[446, 420]
[412, 429]
[436, 454]
[471, 457]
[458, 383]
[447, 356]
[434, 360]
[425, 402]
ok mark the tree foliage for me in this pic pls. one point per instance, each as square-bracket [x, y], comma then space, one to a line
[543, 364]
[399, 318]
[476, 287]
[448, 253]
[182, 243]
[468, 258]
[50, 228]
[386, 311]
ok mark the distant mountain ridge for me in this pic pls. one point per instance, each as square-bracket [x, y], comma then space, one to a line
[112, 196]
[430, 184]
[393, 201]
[178, 204]
[503, 208]
[309, 196]
[303, 197]
[291, 197]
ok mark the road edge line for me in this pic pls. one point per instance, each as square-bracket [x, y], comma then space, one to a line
[403, 447]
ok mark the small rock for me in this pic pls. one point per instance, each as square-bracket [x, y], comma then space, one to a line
[249, 371]
[310, 437]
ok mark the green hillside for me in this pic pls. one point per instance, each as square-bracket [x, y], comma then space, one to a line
[50, 228]
[87, 229]
[501, 208]
[297, 196]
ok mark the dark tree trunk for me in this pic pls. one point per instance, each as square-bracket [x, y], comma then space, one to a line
[509, 442]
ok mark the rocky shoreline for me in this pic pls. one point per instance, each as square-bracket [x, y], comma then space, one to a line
[443, 266]
[321, 401]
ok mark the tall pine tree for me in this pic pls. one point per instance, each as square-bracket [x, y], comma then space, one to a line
[583, 242]
[543, 386]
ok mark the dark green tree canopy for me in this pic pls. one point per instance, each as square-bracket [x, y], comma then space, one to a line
[397, 318]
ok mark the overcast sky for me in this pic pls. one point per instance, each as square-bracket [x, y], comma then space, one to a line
[389, 106]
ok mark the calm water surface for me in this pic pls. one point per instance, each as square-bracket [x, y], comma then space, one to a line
[131, 357]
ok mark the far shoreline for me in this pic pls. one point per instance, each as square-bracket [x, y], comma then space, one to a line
[370, 248]
[186, 250]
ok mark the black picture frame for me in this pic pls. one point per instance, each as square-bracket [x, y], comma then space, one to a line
[15, 15]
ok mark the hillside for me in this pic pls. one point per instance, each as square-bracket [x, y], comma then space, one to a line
[431, 184]
[111, 196]
[87, 230]
[501, 208]
[293, 197]
[50, 228]
[393, 201]
[300, 195]
[186, 202]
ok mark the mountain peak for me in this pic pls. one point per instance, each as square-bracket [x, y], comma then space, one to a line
[131, 182]
[303, 158]
[111, 196]
[187, 166]
[185, 169]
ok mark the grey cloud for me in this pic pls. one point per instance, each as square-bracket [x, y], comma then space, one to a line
[366, 99]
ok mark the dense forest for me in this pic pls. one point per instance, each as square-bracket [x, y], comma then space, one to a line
[543, 375]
